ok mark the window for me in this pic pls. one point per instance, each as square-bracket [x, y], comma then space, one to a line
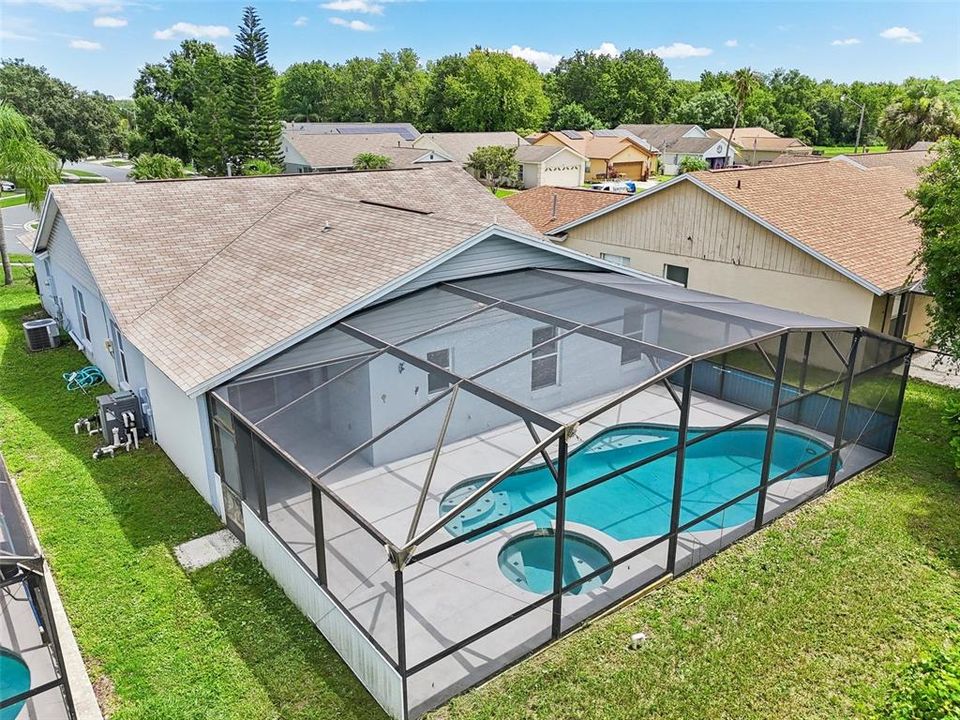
[544, 365]
[82, 313]
[119, 354]
[437, 382]
[615, 259]
[632, 328]
[677, 273]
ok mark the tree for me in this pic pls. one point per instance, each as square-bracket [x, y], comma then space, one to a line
[352, 96]
[371, 161]
[256, 118]
[710, 109]
[937, 213]
[920, 112]
[211, 121]
[70, 123]
[573, 116]
[397, 87]
[26, 163]
[689, 163]
[259, 166]
[497, 91]
[745, 81]
[155, 166]
[496, 164]
[438, 98]
[305, 91]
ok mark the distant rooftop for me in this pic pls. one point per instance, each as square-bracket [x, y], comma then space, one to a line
[547, 207]
[405, 130]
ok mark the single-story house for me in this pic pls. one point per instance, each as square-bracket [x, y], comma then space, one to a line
[759, 146]
[459, 145]
[677, 141]
[557, 166]
[380, 381]
[404, 129]
[608, 156]
[327, 152]
[825, 237]
[547, 207]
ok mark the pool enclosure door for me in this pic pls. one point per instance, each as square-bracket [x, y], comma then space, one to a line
[225, 447]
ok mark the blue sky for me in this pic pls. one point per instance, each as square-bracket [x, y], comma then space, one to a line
[100, 44]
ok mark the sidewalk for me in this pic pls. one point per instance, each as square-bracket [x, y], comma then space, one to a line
[936, 369]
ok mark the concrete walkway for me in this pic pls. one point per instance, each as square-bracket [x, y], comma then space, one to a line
[935, 368]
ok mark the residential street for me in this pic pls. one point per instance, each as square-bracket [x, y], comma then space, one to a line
[111, 173]
[14, 218]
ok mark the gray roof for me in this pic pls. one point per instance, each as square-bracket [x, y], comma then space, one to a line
[406, 130]
[660, 136]
[459, 145]
[172, 259]
[693, 145]
[539, 153]
[334, 151]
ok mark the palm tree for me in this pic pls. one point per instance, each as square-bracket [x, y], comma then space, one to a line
[26, 163]
[745, 81]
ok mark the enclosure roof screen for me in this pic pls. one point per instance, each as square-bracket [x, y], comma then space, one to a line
[400, 383]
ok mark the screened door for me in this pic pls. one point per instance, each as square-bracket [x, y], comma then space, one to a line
[228, 469]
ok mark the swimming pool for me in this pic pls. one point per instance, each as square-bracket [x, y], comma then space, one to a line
[14, 679]
[637, 503]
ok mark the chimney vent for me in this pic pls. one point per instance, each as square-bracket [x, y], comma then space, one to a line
[738, 184]
[553, 212]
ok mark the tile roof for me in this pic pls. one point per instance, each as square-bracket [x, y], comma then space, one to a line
[459, 145]
[536, 205]
[854, 216]
[204, 274]
[330, 150]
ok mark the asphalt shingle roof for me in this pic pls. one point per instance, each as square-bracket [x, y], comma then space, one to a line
[204, 274]
[536, 205]
[459, 145]
[329, 150]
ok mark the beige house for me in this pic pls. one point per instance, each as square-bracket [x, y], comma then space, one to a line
[826, 237]
[549, 165]
[608, 156]
[759, 146]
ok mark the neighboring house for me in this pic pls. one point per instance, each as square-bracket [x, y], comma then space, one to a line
[924, 145]
[405, 130]
[826, 237]
[608, 156]
[759, 146]
[458, 145]
[549, 165]
[676, 141]
[326, 152]
[548, 207]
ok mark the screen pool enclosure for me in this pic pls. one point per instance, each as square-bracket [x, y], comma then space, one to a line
[453, 478]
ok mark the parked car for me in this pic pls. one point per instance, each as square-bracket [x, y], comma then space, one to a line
[7, 185]
[616, 186]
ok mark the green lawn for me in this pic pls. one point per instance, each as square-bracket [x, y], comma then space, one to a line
[12, 200]
[220, 643]
[504, 192]
[812, 618]
[81, 173]
[833, 150]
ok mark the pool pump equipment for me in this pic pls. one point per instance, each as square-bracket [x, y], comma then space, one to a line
[119, 420]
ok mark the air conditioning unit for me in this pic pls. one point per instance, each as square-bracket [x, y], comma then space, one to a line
[42, 334]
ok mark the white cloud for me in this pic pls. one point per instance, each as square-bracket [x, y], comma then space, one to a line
[901, 35]
[10, 35]
[730, 43]
[300, 21]
[358, 6]
[681, 50]
[606, 48]
[107, 21]
[85, 45]
[847, 41]
[543, 60]
[185, 29]
[358, 25]
[70, 5]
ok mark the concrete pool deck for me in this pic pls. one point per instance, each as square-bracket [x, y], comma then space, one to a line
[461, 590]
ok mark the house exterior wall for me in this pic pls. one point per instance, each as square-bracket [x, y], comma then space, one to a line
[565, 169]
[293, 161]
[918, 320]
[726, 253]
[182, 429]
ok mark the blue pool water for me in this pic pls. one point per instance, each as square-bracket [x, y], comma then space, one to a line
[637, 504]
[14, 679]
[527, 560]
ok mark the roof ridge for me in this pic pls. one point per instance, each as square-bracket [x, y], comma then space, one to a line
[207, 178]
[721, 171]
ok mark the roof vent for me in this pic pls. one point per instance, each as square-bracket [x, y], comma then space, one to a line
[553, 211]
[738, 184]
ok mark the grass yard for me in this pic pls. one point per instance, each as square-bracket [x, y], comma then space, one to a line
[813, 618]
[504, 192]
[81, 173]
[833, 150]
[13, 200]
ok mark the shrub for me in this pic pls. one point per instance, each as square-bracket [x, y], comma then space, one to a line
[371, 161]
[692, 164]
[929, 689]
[154, 166]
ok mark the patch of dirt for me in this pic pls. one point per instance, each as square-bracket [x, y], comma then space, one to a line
[103, 687]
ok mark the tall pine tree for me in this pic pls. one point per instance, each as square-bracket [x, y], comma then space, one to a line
[256, 117]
